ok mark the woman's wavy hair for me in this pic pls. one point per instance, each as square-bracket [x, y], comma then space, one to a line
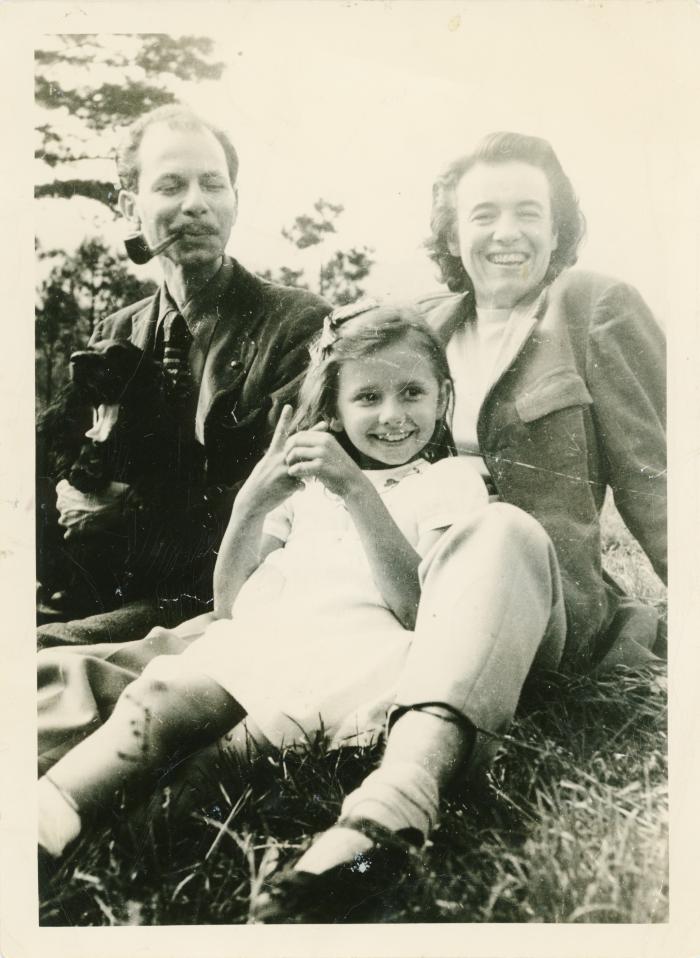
[568, 219]
[178, 117]
[360, 330]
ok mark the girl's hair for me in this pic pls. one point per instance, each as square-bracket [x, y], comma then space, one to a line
[360, 330]
[567, 218]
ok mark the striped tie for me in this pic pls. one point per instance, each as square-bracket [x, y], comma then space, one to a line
[177, 340]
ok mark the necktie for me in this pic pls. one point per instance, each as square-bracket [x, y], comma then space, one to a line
[177, 340]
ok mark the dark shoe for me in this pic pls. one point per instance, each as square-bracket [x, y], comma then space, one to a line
[352, 891]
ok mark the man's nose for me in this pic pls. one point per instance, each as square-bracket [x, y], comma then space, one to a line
[193, 200]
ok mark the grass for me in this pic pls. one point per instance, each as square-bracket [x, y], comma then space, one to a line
[570, 825]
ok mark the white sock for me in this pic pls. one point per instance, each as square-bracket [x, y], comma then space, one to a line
[59, 821]
[398, 795]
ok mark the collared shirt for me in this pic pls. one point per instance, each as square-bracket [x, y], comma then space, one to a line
[472, 353]
[201, 314]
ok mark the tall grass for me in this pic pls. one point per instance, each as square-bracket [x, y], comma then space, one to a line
[570, 824]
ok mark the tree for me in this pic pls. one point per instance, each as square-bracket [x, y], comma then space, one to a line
[340, 276]
[93, 86]
[86, 88]
[77, 291]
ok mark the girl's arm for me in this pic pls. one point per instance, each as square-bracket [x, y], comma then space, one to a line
[243, 549]
[244, 546]
[393, 560]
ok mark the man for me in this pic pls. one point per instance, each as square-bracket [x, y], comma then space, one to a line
[245, 346]
[244, 350]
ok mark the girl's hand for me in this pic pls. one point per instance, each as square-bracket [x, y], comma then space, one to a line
[270, 482]
[316, 452]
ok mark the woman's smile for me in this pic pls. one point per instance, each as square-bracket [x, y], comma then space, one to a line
[506, 235]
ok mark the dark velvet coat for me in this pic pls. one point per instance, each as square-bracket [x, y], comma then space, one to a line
[257, 356]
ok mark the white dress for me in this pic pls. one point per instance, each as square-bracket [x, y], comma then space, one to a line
[312, 645]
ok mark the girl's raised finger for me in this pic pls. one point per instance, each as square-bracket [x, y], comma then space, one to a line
[281, 433]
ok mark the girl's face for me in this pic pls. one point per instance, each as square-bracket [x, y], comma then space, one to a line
[388, 404]
[505, 233]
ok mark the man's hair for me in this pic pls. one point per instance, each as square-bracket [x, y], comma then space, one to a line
[178, 117]
[567, 218]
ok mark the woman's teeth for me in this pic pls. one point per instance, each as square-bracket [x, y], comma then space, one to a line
[507, 259]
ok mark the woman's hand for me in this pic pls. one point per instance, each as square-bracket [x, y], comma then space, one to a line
[316, 452]
[270, 482]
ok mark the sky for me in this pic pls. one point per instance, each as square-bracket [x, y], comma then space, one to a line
[363, 104]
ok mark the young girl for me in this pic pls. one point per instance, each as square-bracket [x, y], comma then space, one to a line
[316, 585]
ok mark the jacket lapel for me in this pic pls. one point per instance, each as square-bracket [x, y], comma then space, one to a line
[232, 348]
[445, 319]
[143, 325]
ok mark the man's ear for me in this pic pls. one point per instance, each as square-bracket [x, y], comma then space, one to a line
[235, 206]
[126, 201]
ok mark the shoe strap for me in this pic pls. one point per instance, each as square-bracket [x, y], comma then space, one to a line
[453, 715]
[403, 839]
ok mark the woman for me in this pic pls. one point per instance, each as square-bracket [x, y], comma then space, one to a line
[560, 395]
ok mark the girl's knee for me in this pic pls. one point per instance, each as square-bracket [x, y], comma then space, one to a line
[497, 523]
[514, 523]
[153, 707]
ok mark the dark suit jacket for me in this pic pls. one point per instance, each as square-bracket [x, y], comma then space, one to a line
[256, 359]
[578, 406]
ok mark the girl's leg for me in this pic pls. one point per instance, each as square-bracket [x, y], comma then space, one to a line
[491, 605]
[160, 719]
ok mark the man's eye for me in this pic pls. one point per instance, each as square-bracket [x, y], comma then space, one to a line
[168, 188]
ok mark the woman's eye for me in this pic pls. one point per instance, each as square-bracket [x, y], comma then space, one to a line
[366, 397]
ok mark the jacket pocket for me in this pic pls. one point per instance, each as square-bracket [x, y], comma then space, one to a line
[558, 389]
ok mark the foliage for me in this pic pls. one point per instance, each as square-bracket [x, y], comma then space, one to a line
[570, 826]
[77, 291]
[90, 86]
[340, 276]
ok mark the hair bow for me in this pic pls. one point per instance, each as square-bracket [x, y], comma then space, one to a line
[323, 344]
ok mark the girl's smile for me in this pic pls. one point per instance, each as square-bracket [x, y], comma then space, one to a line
[388, 404]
